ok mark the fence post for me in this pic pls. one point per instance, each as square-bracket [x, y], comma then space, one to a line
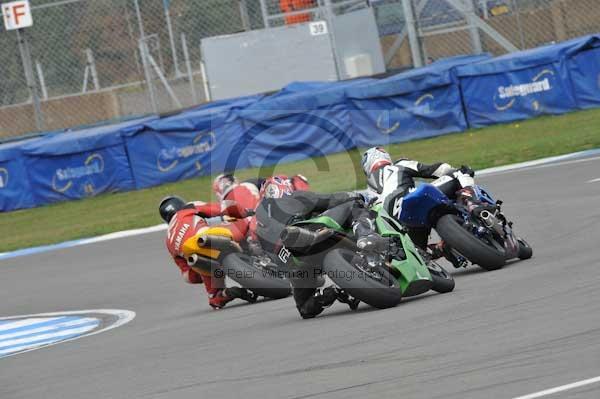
[41, 79]
[30, 77]
[188, 66]
[91, 63]
[265, 13]
[171, 39]
[413, 38]
[244, 15]
[517, 10]
[473, 29]
[148, 74]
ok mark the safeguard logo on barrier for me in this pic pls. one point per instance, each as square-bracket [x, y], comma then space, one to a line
[169, 158]
[385, 122]
[64, 178]
[3, 178]
[506, 96]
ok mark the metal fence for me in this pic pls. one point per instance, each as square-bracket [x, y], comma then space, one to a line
[97, 60]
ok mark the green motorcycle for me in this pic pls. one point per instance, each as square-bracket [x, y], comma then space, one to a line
[381, 277]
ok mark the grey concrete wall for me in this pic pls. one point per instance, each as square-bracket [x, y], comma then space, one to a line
[266, 60]
[356, 33]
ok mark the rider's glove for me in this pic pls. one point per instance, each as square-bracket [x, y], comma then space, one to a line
[467, 170]
[363, 197]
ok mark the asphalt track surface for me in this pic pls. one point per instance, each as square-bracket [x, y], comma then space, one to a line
[531, 326]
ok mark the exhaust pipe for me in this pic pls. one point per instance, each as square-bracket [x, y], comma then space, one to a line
[192, 259]
[487, 218]
[296, 237]
[203, 263]
[219, 243]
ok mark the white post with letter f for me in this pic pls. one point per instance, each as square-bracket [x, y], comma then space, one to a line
[17, 16]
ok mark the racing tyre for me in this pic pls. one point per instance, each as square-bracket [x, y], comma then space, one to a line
[443, 282]
[260, 279]
[375, 287]
[525, 250]
[471, 247]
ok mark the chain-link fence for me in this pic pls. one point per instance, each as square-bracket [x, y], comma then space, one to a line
[443, 28]
[98, 60]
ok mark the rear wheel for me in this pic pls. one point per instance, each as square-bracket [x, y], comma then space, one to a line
[259, 277]
[486, 255]
[374, 286]
[525, 250]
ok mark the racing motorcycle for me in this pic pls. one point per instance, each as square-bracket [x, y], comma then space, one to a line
[214, 251]
[379, 278]
[473, 224]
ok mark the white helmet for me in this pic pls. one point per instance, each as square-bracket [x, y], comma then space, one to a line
[374, 158]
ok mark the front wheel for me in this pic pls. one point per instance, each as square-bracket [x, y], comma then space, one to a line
[259, 277]
[474, 249]
[442, 281]
[374, 286]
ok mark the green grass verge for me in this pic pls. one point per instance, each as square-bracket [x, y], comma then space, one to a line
[482, 148]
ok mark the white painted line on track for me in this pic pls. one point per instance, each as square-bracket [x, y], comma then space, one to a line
[123, 317]
[594, 180]
[561, 388]
[85, 241]
[538, 163]
[25, 323]
[48, 328]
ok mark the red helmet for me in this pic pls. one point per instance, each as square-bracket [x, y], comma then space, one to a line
[223, 184]
[276, 187]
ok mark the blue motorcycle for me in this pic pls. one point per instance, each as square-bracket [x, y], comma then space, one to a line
[472, 224]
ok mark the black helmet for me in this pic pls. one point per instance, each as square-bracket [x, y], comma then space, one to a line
[169, 206]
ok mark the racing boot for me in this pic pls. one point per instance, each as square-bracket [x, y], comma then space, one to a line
[241, 293]
[441, 249]
[344, 297]
[318, 302]
[218, 299]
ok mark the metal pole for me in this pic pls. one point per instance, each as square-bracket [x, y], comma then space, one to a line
[148, 74]
[413, 38]
[244, 15]
[91, 62]
[329, 16]
[519, 24]
[206, 85]
[138, 14]
[29, 77]
[265, 13]
[172, 42]
[483, 5]
[164, 81]
[188, 65]
[41, 79]
[473, 29]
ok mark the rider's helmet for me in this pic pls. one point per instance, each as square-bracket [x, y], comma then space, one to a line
[375, 158]
[276, 187]
[223, 184]
[169, 206]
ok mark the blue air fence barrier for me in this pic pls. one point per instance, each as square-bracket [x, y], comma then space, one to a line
[520, 85]
[232, 103]
[194, 143]
[303, 121]
[584, 67]
[422, 102]
[80, 164]
[15, 192]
